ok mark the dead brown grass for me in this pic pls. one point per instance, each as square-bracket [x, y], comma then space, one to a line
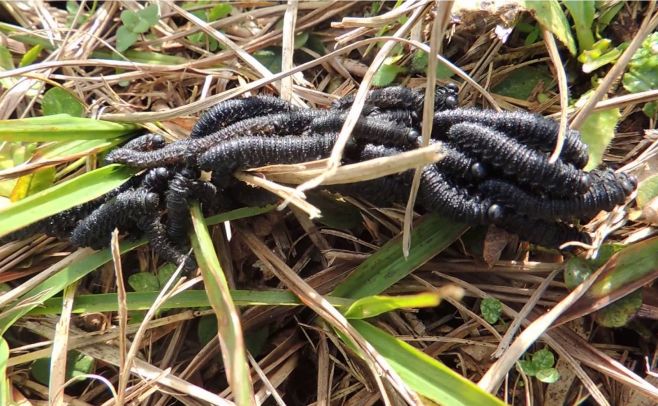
[300, 362]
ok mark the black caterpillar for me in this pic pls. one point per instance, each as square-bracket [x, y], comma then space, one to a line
[495, 169]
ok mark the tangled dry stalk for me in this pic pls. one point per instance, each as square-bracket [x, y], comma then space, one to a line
[170, 75]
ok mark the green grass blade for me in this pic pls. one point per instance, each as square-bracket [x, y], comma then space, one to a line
[61, 149]
[371, 306]
[387, 266]
[5, 389]
[238, 214]
[62, 196]
[230, 330]
[626, 271]
[189, 299]
[18, 34]
[61, 127]
[632, 267]
[550, 15]
[141, 57]
[57, 282]
[423, 373]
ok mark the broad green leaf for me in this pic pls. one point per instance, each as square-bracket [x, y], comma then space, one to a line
[336, 213]
[150, 14]
[314, 43]
[619, 313]
[61, 127]
[206, 330]
[76, 364]
[164, 273]
[422, 373]
[387, 266]
[582, 12]
[5, 387]
[548, 375]
[543, 359]
[61, 101]
[139, 22]
[443, 72]
[300, 39]
[419, 65]
[576, 271]
[642, 72]
[219, 11]
[647, 190]
[129, 18]
[528, 367]
[30, 56]
[257, 340]
[521, 82]
[86, 264]
[600, 54]
[597, 131]
[419, 61]
[230, 331]
[491, 309]
[125, 38]
[62, 196]
[650, 109]
[371, 306]
[107, 302]
[270, 58]
[143, 282]
[40, 370]
[386, 74]
[549, 14]
[81, 364]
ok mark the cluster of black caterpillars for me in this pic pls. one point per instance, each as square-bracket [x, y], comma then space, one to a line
[496, 169]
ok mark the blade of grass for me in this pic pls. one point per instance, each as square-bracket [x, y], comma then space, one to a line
[371, 306]
[62, 149]
[228, 322]
[629, 269]
[61, 127]
[238, 214]
[56, 283]
[423, 373]
[87, 263]
[388, 265]
[62, 196]
[316, 302]
[107, 302]
[5, 388]
[58, 153]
